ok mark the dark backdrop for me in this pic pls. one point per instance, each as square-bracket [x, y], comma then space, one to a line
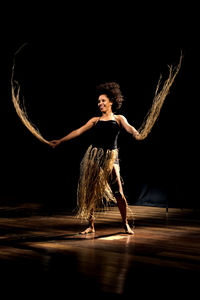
[70, 50]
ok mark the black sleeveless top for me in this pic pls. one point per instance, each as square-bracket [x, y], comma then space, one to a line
[105, 134]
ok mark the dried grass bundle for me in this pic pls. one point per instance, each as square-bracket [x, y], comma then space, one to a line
[93, 186]
[20, 108]
[158, 100]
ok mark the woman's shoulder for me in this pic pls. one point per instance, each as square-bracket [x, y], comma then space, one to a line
[93, 120]
[120, 118]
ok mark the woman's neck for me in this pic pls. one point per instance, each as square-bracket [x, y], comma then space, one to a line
[108, 115]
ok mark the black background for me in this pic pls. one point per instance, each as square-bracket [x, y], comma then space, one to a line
[70, 49]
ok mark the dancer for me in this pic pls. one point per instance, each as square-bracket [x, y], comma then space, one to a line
[100, 182]
[100, 171]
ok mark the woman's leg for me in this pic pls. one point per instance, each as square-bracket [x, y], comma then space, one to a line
[121, 200]
[90, 229]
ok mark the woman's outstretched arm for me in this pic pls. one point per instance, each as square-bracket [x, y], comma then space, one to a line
[75, 133]
[129, 128]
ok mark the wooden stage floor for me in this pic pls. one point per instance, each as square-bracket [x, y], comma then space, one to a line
[42, 253]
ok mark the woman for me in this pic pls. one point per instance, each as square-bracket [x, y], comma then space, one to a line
[100, 171]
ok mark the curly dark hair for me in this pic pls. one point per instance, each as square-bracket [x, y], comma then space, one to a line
[112, 91]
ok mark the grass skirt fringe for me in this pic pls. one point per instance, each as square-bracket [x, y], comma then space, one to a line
[93, 190]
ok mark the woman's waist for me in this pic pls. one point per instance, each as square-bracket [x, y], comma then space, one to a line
[105, 146]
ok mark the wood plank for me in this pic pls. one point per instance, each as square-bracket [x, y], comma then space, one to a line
[164, 249]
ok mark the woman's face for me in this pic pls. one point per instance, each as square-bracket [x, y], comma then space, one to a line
[104, 103]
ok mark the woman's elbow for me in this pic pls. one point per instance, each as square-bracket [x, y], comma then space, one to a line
[77, 132]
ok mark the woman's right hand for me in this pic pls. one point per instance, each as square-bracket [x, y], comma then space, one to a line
[54, 143]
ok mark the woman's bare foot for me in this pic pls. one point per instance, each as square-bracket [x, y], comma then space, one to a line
[128, 229]
[88, 230]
